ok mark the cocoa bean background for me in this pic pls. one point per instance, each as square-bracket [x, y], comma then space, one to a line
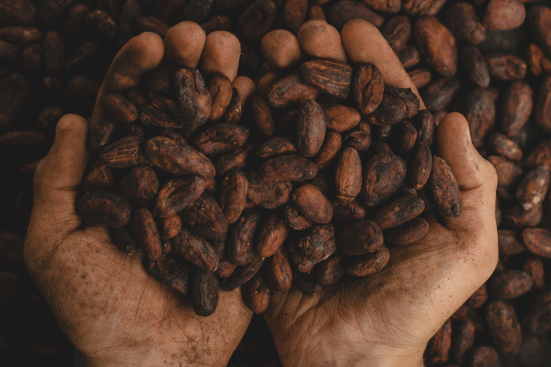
[54, 55]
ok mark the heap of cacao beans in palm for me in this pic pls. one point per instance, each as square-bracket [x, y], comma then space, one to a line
[54, 55]
[289, 191]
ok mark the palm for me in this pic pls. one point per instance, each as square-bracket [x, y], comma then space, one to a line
[115, 305]
[401, 307]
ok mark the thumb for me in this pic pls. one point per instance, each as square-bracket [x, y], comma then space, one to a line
[475, 176]
[58, 176]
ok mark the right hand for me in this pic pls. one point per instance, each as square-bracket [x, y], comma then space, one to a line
[388, 318]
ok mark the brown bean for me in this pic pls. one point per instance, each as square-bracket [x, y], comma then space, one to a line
[440, 92]
[330, 76]
[310, 129]
[506, 67]
[178, 194]
[439, 346]
[483, 357]
[169, 227]
[437, 45]
[206, 218]
[124, 240]
[294, 219]
[509, 284]
[204, 295]
[477, 69]
[178, 159]
[542, 105]
[462, 21]
[344, 11]
[537, 241]
[146, 234]
[312, 204]
[268, 194]
[504, 326]
[348, 175]
[140, 185]
[290, 91]
[368, 264]
[192, 96]
[233, 195]
[444, 189]
[276, 146]
[504, 147]
[242, 275]
[479, 110]
[462, 341]
[220, 138]
[360, 238]
[272, 234]
[238, 159]
[330, 270]
[263, 120]
[278, 271]
[318, 243]
[383, 174]
[103, 208]
[509, 242]
[256, 294]
[195, 249]
[288, 168]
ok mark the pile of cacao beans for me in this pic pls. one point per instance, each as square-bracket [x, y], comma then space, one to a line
[494, 67]
[265, 195]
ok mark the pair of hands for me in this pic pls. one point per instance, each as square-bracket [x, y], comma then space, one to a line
[115, 314]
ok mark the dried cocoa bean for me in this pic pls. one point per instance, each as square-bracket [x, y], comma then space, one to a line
[290, 91]
[278, 271]
[332, 77]
[178, 159]
[310, 201]
[140, 185]
[256, 294]
[383, 174]
[268, 194]
[437, 45]
[103, 208]
[146, 234]
[272, 234]
[360, 238]
[195, 249]
[444, 189]
[204, 294]
[504, 326]
[509, 284]
[287, 168]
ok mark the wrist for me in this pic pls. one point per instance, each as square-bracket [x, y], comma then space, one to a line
[335, 355]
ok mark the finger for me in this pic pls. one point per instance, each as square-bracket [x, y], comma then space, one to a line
[475, 176]
[138, 56]
[184, 44]
[221, 54]
[245, 86]
[363, 43]
[58, 176]
[320, 40]
[267, 81]
[281, 50]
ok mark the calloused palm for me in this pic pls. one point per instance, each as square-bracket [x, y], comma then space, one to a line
[388, 318]
[109, 308]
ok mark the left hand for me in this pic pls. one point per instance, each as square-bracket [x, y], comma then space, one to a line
[113, 313]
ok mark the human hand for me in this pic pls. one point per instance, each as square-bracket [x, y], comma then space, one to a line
[110, 309]
[388, 318]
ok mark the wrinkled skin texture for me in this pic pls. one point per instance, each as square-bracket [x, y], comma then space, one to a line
[388, 319]
[113, 313]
